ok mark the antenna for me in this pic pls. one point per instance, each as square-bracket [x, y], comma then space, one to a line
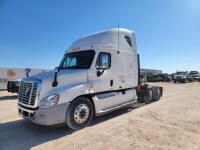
[118, 40]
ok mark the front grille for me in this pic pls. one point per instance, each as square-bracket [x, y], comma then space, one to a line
[178, 77]
[28, 92]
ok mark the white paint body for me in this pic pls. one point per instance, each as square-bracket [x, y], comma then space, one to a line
[73, 83]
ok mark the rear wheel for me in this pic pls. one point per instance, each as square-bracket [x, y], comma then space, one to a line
[148, 96]
[156, 94]
[79, 114]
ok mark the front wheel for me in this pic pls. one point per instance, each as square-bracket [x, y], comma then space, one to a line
[79, 114]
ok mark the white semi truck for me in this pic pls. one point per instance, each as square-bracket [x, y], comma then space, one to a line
[99, 73]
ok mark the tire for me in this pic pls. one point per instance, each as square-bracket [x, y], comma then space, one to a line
[140, 98]
[148, 96]
[156, 93]
[79, 114]
[8, 86]
[12, 87]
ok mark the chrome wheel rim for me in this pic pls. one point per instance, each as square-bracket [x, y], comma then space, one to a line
[158, 92]
[81, 113]
[150, 95]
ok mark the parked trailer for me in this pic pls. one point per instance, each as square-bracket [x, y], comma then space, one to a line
[10, 77]
[99, 73]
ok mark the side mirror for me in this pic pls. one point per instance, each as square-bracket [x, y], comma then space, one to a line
[103, 62]
[55, 81]
[27, 71]
[99, 73]
[57, 69]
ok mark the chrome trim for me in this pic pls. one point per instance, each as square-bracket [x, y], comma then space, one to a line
[102, 112]
[23, 109]
[33, 97]
[81, 113]
[26, 105]
[105, 95]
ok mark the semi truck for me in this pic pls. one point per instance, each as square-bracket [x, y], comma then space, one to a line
[13, 85]
[182, 76]
[195, 75]
[98, 74]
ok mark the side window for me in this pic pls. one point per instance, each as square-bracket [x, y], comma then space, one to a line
[103, 61]
[128, 40]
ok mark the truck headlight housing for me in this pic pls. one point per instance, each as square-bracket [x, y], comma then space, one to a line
[50, 100]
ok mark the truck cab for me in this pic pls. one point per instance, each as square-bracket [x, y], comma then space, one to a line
[195, 75]
[98, 74]
[182, 76]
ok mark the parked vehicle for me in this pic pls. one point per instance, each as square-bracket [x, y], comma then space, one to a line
[182, 76]
[150, 78]
[143, 78]
[13, 85]
[158, 78]
[166, 77]
[99, 73]
[194, 75]
[173, 76]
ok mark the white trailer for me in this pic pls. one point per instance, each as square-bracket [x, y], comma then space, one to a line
[15, 74]
[99, 73]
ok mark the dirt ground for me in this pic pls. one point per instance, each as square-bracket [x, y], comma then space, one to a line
[171, 123]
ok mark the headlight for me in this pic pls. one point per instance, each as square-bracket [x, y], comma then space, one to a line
[50, 100]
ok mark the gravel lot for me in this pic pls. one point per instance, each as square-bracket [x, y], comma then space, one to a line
[171, 123]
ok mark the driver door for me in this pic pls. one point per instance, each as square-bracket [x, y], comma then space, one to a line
[104, 72]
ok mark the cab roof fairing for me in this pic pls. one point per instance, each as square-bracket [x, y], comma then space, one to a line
[105, 39]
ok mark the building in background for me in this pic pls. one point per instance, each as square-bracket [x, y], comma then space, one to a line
[10, 74]
[150, 71]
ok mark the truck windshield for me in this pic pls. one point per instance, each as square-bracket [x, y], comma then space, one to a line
[78, 60]
[193, 72]
[181, 73]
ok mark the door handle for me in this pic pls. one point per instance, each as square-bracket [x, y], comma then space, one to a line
[111, 83]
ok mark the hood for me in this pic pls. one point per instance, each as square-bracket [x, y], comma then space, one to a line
[62, 75]
[194, 75]
[17, 80]
[43, 76]
[67, 77]
[181, 76]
